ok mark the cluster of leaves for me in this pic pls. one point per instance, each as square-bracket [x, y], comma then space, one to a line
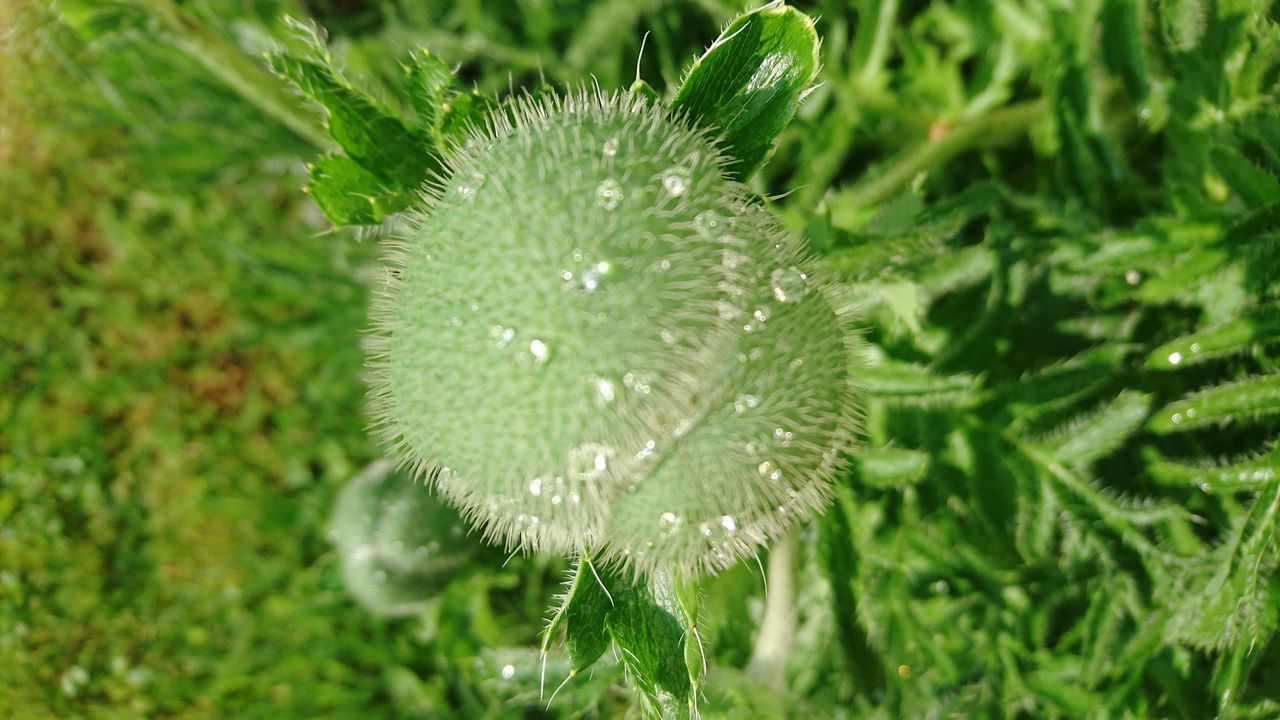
[1061, 224]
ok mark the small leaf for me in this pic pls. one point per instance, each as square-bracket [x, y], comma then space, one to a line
[1245, 475]
[350, 195]
[653, 626]
[1257, 325]
[429, 81]
[749, 83]
[388, 159]
[1096, 434]
[650, 632]
[1227, 596]
[582, 614]
[1239, 401]
[915, 385]
[1121, 25]
[892, 467]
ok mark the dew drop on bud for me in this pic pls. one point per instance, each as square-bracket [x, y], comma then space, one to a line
[789, 284]
[588, 461]
[539, 350]
[709, 224]
[608, 194]
[501, 336]
[470, 185]
[676, 181]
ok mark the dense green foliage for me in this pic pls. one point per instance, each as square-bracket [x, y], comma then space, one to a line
[1060, 224]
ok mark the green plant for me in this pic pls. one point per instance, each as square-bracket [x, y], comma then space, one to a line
[1059, 222]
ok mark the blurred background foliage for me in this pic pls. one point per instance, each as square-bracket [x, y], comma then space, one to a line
[1060, 219]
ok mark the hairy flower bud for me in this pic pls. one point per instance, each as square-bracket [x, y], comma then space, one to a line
[596, 340]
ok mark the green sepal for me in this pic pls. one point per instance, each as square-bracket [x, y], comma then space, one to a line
[749, 83]
[654, 627]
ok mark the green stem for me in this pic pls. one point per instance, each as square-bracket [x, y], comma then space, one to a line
[992, 130]
[778, 629]
[246, 77]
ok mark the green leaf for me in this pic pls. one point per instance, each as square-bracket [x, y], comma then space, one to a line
[749, 83]
[430, 81]
[350, 195]
[650, 631]
[1122, 45]
[387, 158]
[892, 467]
[1227, 596]
[653, 626]
[1244, 475]
[1096, 434]
[915, 385]
[582, 614]
[1239, 401]
[378, 141]
[1259, 325]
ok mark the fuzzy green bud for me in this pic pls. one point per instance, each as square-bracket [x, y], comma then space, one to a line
[595, 339]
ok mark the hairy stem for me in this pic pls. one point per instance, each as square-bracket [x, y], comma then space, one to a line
[992, 130]
[778, 630]
[237, 71]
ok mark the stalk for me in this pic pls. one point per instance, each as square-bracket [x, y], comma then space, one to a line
[768, 663]
[995, 129]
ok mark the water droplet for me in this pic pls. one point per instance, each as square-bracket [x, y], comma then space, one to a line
[501, 336]
[732, 260]
[1133, 277]
[761, 314]
[682, 427]
[709, 224]
[729, 524]
[535, 487]
[670, 523]
[608, 194]
[469, 186]
[539, 350]
[745, 402]
[638, 382]
[1177, 418]
[588, 461]
[647, 451]
[789, 284]
[769, 470]
[508, 672]
[676, 181]
[594, 273]
[1195, 347]
[1175, 358]
[603, 388]
[783, 437]
[610, 147]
